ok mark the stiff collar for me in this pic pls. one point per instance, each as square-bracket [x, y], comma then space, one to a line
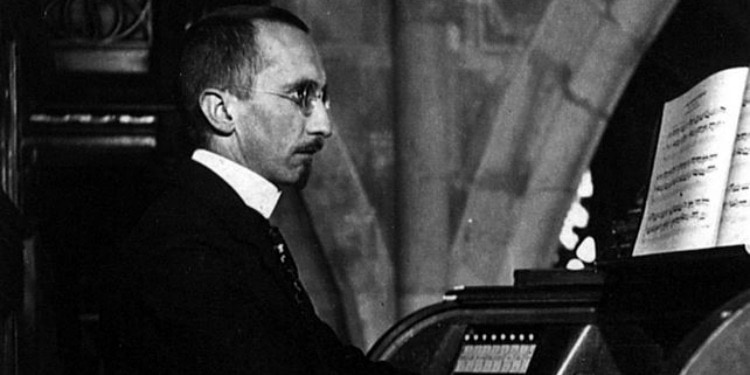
[257, 192]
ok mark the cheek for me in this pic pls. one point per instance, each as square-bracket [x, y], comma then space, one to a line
[276, 139]
[275, 147]
[274, 132]
[285, 133]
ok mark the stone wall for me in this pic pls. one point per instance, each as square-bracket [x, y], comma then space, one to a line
[463, 128]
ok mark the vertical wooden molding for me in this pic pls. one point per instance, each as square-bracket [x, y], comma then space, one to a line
[9, 119]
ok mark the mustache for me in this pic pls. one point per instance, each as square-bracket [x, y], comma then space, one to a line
[311, 147]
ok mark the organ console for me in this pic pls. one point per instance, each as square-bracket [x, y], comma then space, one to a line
[679, 313]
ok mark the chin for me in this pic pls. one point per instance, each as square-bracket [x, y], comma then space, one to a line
[297, 180]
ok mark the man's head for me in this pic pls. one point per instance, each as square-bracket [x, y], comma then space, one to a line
[253, 85]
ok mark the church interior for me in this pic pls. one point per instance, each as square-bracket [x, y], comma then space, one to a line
[470, 138]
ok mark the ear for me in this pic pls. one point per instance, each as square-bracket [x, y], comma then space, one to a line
[215, 106]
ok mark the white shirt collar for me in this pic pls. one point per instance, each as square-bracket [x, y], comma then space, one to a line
[257, 192]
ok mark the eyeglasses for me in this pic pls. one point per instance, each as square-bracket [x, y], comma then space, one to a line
[303, 97]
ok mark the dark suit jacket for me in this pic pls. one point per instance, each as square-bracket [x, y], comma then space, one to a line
[199, 290]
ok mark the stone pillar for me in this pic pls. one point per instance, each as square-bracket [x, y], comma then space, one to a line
[422, 152]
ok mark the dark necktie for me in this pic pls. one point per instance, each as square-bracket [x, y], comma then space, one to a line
[300, 295]
[290, 271]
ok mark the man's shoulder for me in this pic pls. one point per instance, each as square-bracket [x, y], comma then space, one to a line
[197, 201]
[180, 205]
[191, 186]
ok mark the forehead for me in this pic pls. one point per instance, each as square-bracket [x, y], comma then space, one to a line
[289, 55]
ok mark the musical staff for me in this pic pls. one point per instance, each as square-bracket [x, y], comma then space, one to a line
[676, 222]
[737, 203]
[684, 177]
[683, 127]
[735, 188]
[700, 159]
[679, 208]
[686, 137]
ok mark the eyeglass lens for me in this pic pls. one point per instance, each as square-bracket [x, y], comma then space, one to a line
[310, 94]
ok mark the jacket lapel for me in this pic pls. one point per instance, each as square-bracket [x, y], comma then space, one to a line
[246, 225]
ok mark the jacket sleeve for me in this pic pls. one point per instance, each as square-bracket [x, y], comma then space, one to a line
[347, 359]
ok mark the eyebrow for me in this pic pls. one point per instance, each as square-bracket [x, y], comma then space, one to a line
[303, 83]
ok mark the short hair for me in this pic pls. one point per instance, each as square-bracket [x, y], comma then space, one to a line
[216, 53]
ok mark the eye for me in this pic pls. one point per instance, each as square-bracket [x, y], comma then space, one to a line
[299, 95]
[305, 95]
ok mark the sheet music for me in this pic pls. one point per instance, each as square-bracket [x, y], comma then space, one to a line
[691, 166]
[735, 217]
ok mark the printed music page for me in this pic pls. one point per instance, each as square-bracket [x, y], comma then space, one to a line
[691, 166]
[735, 218]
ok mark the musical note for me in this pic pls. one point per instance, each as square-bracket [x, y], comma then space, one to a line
[679, 208]
[735, 203]
[686, 164]
[684, 177]
[683, 126]
[675, 222]
[734, 187]
[709, 127]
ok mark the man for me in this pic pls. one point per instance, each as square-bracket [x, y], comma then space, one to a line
[205, 284]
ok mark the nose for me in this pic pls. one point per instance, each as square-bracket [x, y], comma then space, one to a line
[319, 122]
